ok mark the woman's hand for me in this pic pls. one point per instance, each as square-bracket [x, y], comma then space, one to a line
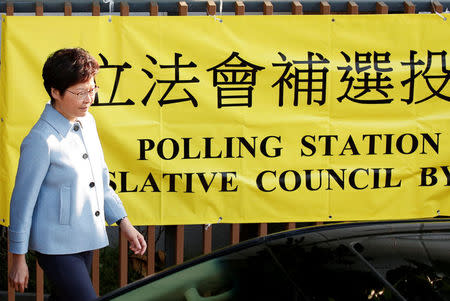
[137, 241]
[18, 276]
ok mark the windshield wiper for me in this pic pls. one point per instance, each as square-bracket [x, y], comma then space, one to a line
[280, 266]
[374, 270]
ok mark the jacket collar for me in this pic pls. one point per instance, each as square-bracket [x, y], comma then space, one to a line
[60, 123]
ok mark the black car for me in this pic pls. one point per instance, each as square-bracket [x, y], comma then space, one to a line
[395, 260]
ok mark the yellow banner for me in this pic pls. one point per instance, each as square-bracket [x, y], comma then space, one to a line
[251, 118]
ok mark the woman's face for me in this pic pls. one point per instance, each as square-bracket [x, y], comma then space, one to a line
[76, 100]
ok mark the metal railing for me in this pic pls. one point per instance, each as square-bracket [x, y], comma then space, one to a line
[173, 7]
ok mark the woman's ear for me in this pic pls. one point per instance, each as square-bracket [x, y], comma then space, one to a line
[55, 94]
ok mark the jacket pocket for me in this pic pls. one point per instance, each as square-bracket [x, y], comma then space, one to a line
[64, 206]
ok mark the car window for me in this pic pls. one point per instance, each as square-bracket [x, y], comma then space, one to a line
[285, 271]
[390, 267]
[328, 271]
[418, 266]
[316, 266]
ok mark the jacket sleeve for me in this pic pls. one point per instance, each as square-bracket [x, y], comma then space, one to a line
[114, 209]
[33, 166]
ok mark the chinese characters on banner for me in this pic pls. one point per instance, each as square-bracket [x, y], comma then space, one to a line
[235, 79]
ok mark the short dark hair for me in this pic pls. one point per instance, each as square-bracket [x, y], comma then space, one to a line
[67, 67]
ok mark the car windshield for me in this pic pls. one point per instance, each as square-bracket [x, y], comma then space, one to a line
[321, 265]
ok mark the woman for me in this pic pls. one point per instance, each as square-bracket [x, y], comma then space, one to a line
[62, 197]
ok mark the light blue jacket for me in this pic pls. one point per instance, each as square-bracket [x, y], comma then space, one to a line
[62, 196]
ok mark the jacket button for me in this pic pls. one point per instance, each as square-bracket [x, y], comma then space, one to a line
[85, 156]
[92, 184]
[76, 128]
[97, 213]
